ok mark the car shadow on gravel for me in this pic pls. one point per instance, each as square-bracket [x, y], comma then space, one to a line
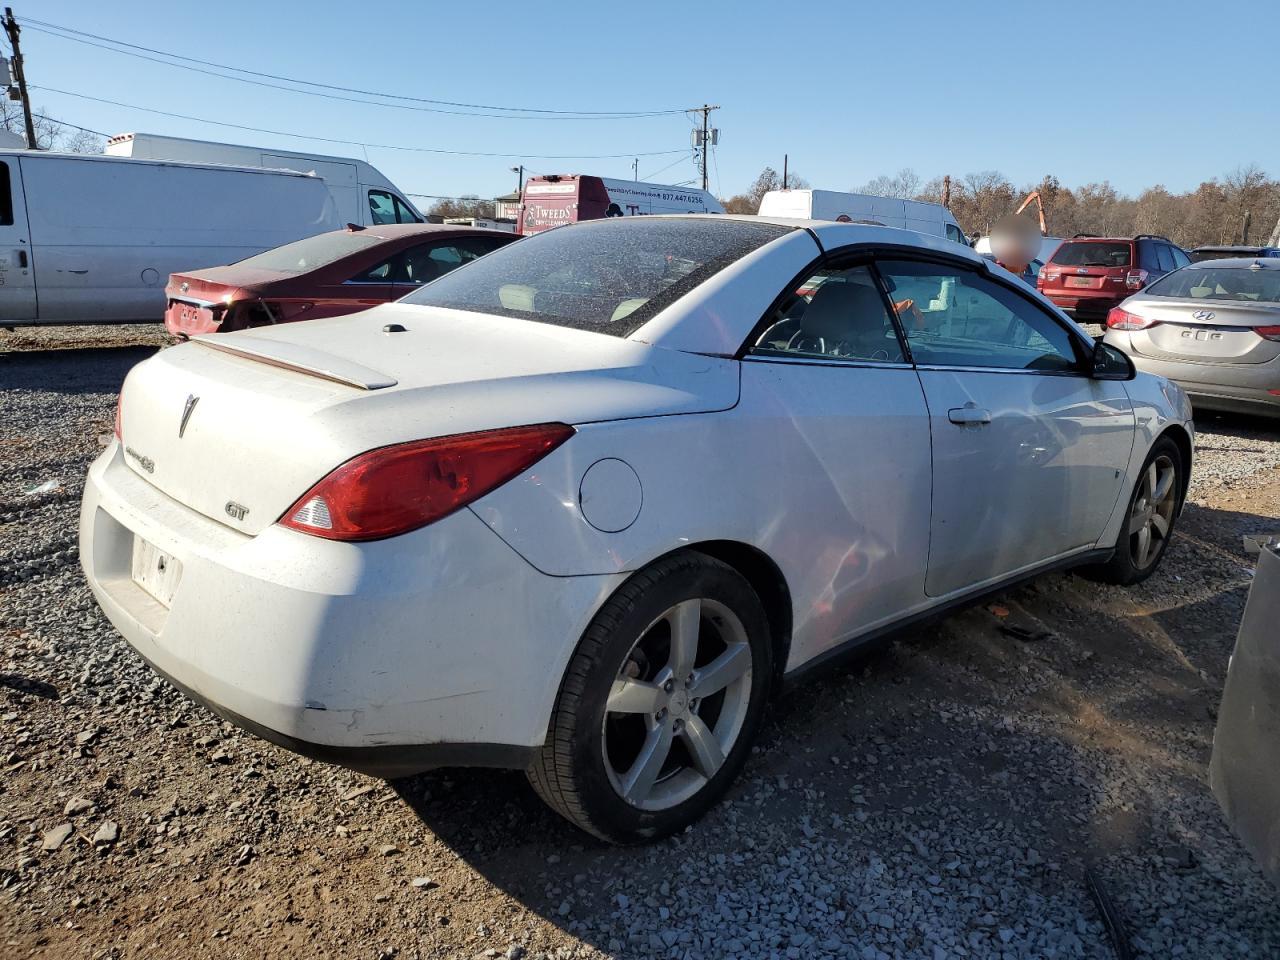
[917, 745]
[958, 745]
[88, 370]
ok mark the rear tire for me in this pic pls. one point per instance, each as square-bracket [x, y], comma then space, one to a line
[1148, 521]
[660, 703]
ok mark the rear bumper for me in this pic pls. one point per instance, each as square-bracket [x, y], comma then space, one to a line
[1086, 305]
[1235, 388]
[442, 647]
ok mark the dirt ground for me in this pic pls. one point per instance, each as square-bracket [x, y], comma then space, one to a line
[959, 772]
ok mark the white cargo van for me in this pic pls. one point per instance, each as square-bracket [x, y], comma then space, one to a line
[917, 215]
[93, 239]
[360, 192]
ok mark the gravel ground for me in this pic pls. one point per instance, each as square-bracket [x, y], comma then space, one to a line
[941, 797]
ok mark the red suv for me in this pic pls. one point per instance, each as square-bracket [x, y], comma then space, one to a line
[1087, 276]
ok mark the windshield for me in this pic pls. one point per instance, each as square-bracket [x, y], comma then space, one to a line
[1091, 253]
[1259, 285]
[311, 253]
[607, 276]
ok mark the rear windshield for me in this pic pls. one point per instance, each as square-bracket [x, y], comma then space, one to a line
[311, 253]
[1209, 253]
[1259, 285]
[607, 276]
[1093, 253]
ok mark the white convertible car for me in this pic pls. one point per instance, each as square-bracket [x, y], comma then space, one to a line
[581, 506]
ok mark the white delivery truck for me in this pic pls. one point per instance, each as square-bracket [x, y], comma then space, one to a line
[917, 215]
[556, 199]
[93, 239]
[361, 193]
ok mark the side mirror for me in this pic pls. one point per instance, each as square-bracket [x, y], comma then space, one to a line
[1111, 364]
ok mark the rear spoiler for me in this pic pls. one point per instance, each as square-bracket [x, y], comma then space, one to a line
[292, 356]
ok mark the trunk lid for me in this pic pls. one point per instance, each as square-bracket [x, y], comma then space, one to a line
[214, 283]
[238, 426]
[1200, 332]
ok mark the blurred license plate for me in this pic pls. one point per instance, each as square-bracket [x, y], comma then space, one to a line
[155, 571]
[187, 316]
[1079, 282]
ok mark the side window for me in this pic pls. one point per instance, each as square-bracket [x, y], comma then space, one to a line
[955, 317]
[403, 213]
[6, 197]
[425, 263]
[382, 207]
[1148, 258]
[1180, 259]
[1164, 253]
[430, 260]
[836, 315]
[388, 271]
[956, 234]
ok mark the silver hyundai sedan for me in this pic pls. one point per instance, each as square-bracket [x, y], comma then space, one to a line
[1214, 328]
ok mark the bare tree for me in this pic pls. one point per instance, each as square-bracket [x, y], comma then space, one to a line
[769, 179]
[469, 206]
[905, 184]
[50, 134]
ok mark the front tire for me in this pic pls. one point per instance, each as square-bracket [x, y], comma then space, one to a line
[660, 703]
[1148, 524]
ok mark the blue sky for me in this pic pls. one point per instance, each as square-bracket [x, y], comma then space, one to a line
[1135, 93]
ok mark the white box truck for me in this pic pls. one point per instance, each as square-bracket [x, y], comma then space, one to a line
[556, 199]
[918, 215]
[93, 239]
[360, 192]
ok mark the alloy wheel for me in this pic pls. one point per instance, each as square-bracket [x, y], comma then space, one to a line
[1151, 517]
[677, 705]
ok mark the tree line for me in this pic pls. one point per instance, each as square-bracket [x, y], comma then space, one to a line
[1241, 207]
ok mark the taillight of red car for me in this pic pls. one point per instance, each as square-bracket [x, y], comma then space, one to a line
[396, 489]
[1135, 279]
[1120, 319]
[1268, 333]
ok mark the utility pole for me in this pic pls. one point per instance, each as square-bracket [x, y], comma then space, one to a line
[11, 27]
[785, 157]
[635, 169]
[705, 137]
[519, 172]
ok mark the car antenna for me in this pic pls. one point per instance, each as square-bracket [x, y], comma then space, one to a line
[354, 228]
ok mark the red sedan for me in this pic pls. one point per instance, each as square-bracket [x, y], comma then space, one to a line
[322, 276]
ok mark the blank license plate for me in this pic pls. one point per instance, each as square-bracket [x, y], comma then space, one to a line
[155, 571]
[1079, 282]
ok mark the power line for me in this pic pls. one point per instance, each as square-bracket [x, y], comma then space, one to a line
[359, 143]
[224, 71]
[667, 167]
[76, 126]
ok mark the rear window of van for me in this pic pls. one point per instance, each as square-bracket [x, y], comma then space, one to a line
[6, 197]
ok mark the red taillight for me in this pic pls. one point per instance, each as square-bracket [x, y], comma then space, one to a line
[1135, 279]
[1268, 333]
[1049, 276]
[393, 490]
[119, 397]
[1118, 319]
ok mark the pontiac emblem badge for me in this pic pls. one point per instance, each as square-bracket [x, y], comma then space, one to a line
[192, 400]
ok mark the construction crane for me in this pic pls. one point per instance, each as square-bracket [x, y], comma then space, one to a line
[1034, 195]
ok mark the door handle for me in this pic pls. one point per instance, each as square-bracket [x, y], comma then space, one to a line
[969, 413]
[22, 259]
